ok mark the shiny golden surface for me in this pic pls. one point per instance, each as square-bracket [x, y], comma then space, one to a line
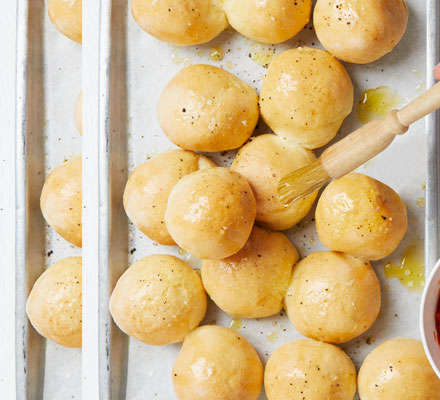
[206, 108]
[263, 162]
[181, 22]
[268, 21]
[306, 369]
[217, 363]
[398, 369]
[361, 216]
[253, 282]
[210, 213]
[305, 96]
[66, 15]
[54, 305]
[61, 200]
[149, 185]
[158, 300]
[360, 31]
[333, 297]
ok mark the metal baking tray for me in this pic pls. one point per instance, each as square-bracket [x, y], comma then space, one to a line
[48, 80]
[134, 68]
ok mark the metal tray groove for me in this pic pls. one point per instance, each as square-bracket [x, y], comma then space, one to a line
[43, 140]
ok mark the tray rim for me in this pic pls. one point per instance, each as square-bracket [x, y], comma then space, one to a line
[432, 217]
[29, 380]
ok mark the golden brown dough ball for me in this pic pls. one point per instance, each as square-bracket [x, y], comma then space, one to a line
[66, 15]
[182, 22]
[210, 213]
[205, 108]
[54, 305]
[268, 21]
[149, 185]
[77, 113]
[360, 31]
[305, 96]
[61, 200]
[306, 369]
[158, 300]
[253, 282]
[217, 363]
[263, 162]
[361, 216]
[398, 369]
[333, 297]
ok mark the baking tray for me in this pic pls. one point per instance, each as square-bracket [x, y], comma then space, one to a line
[134, 68]
[48, 80]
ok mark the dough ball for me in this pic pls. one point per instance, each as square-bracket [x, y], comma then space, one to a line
[54, 305]
[206, 108]
[305, 369]
[268, 21]
[158, 300]
[66, 15]
[61, 200]
[360, 31]
[263, 162]
[305, 96]
[333, 297]
[149, 185]
[217, 363]
[361, 216]
[398, 369]
[210, 213]
[182, 22]
[253, 282]
[77, 113]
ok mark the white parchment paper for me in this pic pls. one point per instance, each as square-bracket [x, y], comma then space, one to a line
[151, 64]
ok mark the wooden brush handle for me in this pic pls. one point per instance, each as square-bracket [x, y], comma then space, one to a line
[423, 105]
[371, 139]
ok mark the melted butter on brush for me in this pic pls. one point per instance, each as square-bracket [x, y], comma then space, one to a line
[377, 103]
[411, 270]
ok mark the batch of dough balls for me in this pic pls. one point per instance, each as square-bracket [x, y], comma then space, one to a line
[360, 31]
[66, 15]
[305, 96]
[333, 297]
[54, 305]
[253, 282]
[189, 22]
[312, 370]
[61, 200]
[158, 300]
[146, 208]
[361, 216]
[205, 108]
[231, 218]
[398, 369]
[217, 363]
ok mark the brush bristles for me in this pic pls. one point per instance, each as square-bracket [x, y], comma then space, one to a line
[302, 182]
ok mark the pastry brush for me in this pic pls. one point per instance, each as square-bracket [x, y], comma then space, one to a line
[356, 148]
